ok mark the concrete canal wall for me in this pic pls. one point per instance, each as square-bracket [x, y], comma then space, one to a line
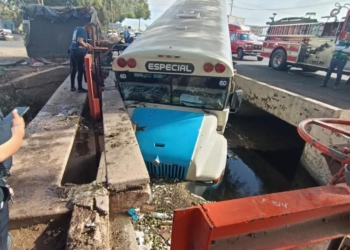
[294, 108]
[39, 85]
[50, 153]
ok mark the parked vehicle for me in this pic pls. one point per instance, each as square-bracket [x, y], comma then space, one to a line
[304, 42]
[5, 34]
[137, 34]
[180, 99]
[111, 33]
[243, 42]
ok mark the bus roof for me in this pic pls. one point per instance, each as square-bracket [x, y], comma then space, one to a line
[189, 31]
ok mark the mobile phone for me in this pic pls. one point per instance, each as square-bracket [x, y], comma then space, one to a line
[21, 112]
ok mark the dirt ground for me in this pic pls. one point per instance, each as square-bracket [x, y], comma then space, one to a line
[11, 52]
[51, 236]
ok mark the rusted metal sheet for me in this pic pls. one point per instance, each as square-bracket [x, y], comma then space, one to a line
[214, 225]
[288, 237]
[339, 154]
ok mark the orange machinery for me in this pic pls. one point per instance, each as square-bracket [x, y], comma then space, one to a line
[97, 66]
[283, 220]
[94, 75]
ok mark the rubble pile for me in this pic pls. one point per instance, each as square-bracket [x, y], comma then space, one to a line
[154, 221]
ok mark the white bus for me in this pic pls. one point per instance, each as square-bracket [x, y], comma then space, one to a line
[176, 81]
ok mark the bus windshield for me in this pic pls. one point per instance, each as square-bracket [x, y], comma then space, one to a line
[181, 90]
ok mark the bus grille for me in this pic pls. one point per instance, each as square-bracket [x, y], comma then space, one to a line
[167, 170]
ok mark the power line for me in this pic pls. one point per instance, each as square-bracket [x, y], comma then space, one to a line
[291, 8]
[261, 8]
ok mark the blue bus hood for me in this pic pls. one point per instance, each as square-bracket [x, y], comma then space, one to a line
[169, 136]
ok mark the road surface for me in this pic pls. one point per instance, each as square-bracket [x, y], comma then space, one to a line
[296, 81]
[12, 51]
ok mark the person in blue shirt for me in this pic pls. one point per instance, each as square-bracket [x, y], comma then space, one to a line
[127, 35]
[7, 149]
[77, 52]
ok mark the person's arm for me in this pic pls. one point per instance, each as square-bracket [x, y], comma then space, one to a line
[82, 43]
[80, 40]
[337, 47]
[346, 50]
[10, 147]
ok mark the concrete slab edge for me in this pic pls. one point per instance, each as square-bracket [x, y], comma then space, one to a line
[44, 219]
[36, 79]
[52, 146]
[125, 167]
[82, 220]
[41, 78]
[286, 105]
[102, 170]
[123, 201]
[122, 233]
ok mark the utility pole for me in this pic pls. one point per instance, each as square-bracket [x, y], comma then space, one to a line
[231, 7]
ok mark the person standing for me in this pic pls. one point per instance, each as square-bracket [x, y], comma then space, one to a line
[7, 149]
[127, 35]
[78, 49]
[340, 57]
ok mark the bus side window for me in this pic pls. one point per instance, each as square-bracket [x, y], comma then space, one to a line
[233, 37]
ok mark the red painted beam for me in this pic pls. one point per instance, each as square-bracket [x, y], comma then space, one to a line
[93, 90]
[195, 228]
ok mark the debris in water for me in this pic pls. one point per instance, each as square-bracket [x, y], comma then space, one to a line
[197, 196]
[38, 64]
[230, 153]
[160, 215]
[132, 212]
[146, 209]
[155, 219]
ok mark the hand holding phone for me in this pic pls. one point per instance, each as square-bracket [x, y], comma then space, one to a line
[18, 125]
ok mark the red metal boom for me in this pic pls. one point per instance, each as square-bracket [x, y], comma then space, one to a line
[275, 221]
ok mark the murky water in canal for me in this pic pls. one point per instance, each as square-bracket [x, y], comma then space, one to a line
[263, 158]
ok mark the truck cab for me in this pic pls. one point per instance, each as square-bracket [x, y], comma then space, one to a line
[244, 42]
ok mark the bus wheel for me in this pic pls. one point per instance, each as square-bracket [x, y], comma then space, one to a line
[279, 60]
[260, 58]
[240, 54]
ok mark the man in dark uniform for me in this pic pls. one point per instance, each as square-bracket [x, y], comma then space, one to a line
[7, 149]
[340, 57]
[78, 49]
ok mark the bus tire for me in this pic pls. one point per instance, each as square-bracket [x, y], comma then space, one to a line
[240, 54]
[260, 58]
[279, 60]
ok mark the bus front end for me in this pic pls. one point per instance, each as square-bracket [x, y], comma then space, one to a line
[179, 116]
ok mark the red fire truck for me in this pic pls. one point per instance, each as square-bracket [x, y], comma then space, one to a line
[305, 42]
[244, 42]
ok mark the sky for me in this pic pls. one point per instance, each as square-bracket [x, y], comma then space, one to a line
[256, 12]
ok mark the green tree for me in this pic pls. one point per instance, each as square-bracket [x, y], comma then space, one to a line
[10, 12]
[108, 10]
[119, 10]
[141, 10]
